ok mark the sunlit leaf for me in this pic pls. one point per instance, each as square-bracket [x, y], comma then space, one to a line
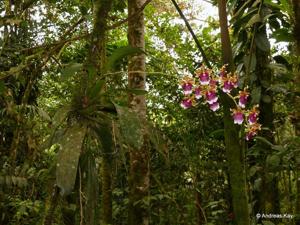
[254, 19]
[119, 54]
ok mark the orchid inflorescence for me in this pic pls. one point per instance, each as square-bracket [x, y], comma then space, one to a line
[205, 84]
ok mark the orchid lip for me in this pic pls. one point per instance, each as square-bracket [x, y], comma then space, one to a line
[214, 106]
[187, 92]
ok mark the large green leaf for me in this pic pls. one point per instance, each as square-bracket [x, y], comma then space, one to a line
[70, 69]
[104, 131]
[262, 42]
[131, 127]
[254, 19]
[68, 156]
[119, 54]
[248, 63]
[60, 115]
[157, 139]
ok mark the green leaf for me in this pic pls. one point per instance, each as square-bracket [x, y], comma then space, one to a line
[119, 54]
[252, 63]
[70, 69]
[68, 157]
[95, 90]
[219, 133]
[283, 35]
[44, 115]
[60, 115]
[104, 131]
[262, 42]
[156, 138]
[264, 140]
[273, 161]
[131, 127]
[254, 19]
[241, 10]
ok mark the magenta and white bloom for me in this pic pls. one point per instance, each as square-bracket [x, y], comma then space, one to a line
[250, 135]
[198, 93]
[211, 96]
[252, 118]
[186, 103]
[214, 106]
[243, 98]
[213, 83]
[204, 78]
[234, 81]
[252, 130]
[227, 86]
[238, 116]
[187, 88]
[253, 115]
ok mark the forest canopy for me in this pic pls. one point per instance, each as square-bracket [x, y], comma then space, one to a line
[149, 112]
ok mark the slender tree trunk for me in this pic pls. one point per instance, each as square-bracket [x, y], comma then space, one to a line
[269, 197]
[139, 158]
[234, 150]
[296, 119]
[94, 65]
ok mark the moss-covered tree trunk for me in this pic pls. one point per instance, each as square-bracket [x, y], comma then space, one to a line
[296, 119]
[95, 66]
[139, 158]
[268, 197]
[234, 150]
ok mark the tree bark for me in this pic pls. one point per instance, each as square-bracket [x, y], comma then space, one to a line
[234, 149]
[96, 60]
[269, 197]
[139, 158]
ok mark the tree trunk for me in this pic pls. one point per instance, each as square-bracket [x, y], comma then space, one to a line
[96, 60]
[139, 158]
[269, 197]
[234, 150]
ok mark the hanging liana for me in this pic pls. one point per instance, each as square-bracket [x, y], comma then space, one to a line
[205, 84]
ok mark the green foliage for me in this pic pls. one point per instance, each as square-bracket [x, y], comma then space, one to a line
[119, 54]
[68, 157]
[131, 126]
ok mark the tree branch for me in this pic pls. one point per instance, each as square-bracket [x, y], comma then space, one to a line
[205, 59]
[117, 24]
